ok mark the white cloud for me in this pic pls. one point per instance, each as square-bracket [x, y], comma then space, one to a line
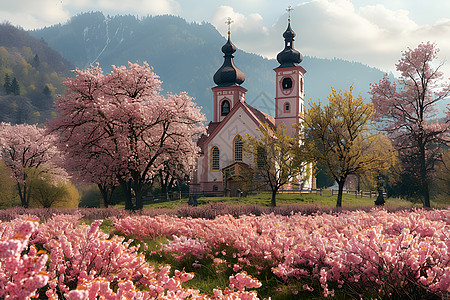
[31, 14]
[249, 29]
[135, 7]
[371, 34]
[354, 30]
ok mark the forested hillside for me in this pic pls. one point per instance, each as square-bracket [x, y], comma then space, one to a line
[30, 76]
[186, 55]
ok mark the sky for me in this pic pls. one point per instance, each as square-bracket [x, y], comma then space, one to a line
[374, 32]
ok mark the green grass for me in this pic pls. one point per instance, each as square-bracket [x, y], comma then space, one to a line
[263, 199]
[326, 199]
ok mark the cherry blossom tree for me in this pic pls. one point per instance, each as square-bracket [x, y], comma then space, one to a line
[86, 168]
[405, 110]
[25, 149]
[120, 124]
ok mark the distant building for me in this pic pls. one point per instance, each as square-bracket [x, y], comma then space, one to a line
[221, 157]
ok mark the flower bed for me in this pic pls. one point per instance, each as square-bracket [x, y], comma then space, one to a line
[392, 254]
[361, 254]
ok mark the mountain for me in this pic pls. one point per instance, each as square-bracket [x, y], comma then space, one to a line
[186, 56]
[30, 76]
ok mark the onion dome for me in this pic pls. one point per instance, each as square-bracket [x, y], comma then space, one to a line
[289, 57]
[228, 74]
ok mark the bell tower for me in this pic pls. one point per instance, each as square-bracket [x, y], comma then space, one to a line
[289, 89]
[228, 78]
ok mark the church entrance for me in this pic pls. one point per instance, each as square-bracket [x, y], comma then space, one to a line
[237, 179]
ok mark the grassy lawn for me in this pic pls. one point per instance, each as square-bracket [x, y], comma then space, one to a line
[326, 199]
[263, 199]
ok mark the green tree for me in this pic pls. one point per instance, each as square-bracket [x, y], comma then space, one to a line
[441, 183]
[15, 88]
[8, 194]
[278, 159]
[36, 62]
[7, 84]
[43, 192]
[336, 135]
[382, 172]
[46, 91]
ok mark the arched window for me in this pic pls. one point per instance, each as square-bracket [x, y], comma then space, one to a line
[260, 157]
[238, 148]
[287, 107]
[215, 158]
[225, 108]
[287, 83]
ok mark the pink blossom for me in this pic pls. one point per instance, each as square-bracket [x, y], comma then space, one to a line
[77, 295]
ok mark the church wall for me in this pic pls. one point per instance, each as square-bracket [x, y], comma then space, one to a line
[240, 123]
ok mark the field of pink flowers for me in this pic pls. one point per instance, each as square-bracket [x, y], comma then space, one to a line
[375, 254]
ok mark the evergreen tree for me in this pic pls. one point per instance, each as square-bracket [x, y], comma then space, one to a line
[36, 62]
[46, 91]
[15, 87]
[7, 84]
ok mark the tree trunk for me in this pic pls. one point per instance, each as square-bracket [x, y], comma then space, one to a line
[426, 194]
[163, 182]
[273, 202]
[22, 195]
[139, 198]
[340, 192]
[423, 176]
[106, 192]
[126, 189]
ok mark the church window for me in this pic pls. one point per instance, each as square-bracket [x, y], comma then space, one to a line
[287, 107]
[225, 108]
[215, 158]
[238, 148]
[260, 157]
[287, 83]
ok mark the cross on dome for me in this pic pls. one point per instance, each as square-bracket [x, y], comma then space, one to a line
[228, 22]
[289, 9]
[228, 74]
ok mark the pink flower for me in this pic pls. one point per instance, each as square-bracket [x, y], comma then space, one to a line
[77, 295]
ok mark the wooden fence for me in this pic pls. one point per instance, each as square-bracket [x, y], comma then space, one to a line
[370, 194]
[176, 195]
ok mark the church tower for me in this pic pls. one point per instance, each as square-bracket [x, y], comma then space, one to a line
[290, 93]
[228, 92]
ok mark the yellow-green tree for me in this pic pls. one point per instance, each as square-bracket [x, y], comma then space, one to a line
[47, 191]
[8, 194]
[278, 159]
[337, 135]
[385, 169]
[441, 183]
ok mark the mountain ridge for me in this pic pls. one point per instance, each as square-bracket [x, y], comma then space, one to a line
[186, 55]
[31, 74]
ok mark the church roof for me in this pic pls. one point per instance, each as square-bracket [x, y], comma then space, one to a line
[261, 116]
[214, 127]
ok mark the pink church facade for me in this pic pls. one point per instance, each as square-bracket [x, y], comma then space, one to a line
[221, 152]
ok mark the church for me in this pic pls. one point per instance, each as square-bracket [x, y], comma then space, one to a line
[221, 158]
